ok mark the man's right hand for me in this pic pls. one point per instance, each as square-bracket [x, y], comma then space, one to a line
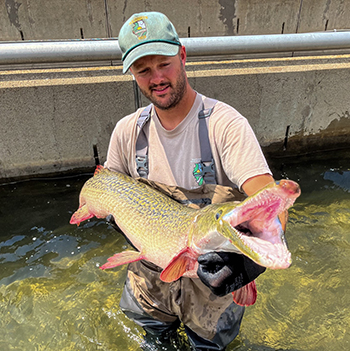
[225, 272]
[110, 220]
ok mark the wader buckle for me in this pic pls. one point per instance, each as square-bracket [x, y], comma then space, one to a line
[142, 165]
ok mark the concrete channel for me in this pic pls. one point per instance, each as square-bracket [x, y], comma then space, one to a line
[58, 118]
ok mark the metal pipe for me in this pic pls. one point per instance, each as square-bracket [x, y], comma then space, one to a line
[59, 51]
[108, 49]
[251, 44]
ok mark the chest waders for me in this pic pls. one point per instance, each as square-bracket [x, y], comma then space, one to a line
[210, 321]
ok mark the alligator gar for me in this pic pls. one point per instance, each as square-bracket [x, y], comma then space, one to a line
[172, 236]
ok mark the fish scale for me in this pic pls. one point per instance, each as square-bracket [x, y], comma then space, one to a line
[144, 214]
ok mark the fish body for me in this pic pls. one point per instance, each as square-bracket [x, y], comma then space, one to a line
[172, 236]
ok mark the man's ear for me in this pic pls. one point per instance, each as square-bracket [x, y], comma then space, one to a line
[183, 54]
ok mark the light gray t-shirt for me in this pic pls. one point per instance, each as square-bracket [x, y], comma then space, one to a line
[174, 154]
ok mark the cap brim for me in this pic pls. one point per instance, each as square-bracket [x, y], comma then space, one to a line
[153, 48]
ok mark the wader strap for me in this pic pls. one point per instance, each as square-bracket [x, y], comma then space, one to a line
[142, 143]
[207, 166]
[207, 169]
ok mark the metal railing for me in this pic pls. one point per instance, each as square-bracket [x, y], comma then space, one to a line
[25, 52]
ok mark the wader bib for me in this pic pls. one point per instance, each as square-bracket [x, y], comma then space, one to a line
[210, 321]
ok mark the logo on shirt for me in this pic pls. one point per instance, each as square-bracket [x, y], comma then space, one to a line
[198, 173]
[139, 28]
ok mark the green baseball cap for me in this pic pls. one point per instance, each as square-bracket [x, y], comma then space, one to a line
[147, 33]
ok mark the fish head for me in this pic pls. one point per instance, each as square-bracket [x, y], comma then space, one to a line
[252, 227]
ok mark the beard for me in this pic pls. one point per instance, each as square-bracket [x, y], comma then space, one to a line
[177, 93]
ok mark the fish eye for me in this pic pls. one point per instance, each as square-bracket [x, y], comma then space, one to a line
[218, 214]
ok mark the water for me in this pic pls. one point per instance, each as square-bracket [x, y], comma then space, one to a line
[54, 297]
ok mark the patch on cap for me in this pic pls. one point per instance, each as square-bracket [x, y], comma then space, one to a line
[139, 27]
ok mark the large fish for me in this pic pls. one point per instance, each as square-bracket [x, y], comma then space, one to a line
[172, 236]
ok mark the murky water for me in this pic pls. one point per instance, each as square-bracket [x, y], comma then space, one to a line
[54, 297]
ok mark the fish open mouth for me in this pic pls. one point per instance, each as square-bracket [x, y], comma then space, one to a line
[272, 254]
[257, 230]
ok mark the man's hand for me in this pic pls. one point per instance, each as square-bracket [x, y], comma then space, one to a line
[225, 272]
[110, 220]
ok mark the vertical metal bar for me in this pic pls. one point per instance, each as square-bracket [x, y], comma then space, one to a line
[137, 95]
[97, 159]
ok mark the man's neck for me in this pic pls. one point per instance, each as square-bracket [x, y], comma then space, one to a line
[171, 118]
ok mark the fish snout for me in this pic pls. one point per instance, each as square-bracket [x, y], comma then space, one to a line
[290, 187]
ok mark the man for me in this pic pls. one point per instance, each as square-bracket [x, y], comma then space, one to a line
[163, 143]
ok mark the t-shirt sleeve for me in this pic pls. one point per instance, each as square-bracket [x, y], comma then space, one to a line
[237, 146]
[114, 160]
[120, 147]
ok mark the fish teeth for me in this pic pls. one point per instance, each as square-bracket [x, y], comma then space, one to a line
[274, 256]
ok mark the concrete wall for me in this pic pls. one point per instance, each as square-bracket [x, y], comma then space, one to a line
[67, 19]
[51, 119]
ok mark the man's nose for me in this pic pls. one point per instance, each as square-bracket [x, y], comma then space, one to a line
[156, 77]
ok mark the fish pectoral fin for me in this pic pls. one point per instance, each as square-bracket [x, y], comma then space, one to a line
[181, 263]
[246, 296]
[80, 215]
[123, 257]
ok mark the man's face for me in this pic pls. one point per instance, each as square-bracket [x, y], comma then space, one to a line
[162, 79]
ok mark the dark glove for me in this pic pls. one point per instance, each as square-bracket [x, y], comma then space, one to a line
[224, 272]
